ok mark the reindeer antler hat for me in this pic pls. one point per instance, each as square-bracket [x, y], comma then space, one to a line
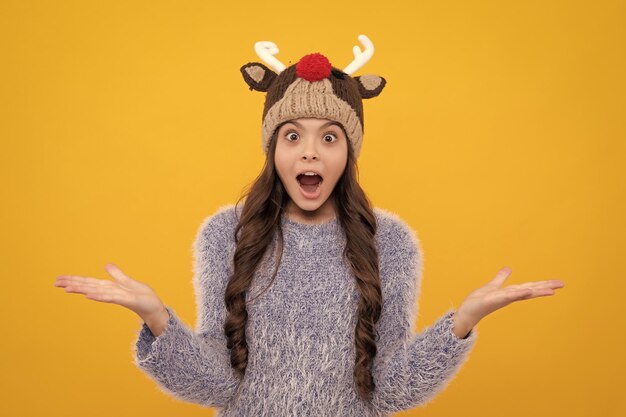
[313, 88]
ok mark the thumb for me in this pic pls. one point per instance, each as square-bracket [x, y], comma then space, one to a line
[117, 274]
[501, 276]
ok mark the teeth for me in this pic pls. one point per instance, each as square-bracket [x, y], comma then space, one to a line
[309, 173]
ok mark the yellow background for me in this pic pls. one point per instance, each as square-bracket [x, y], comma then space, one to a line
[500, 138]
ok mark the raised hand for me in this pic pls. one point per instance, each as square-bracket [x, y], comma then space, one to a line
[491, 297]
[124, 291]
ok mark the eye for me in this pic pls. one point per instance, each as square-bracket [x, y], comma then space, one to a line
[290, 136]
[330, 135]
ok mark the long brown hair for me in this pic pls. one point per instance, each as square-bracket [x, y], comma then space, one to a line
[265, 203]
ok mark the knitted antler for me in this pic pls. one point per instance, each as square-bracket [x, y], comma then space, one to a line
[360, 57]
[266, 51]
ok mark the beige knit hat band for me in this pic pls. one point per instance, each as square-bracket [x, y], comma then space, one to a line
[313, 99]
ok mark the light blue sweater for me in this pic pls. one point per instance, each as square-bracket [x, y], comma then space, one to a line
[300, 332]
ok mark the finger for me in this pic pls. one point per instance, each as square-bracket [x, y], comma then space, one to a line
[75, 281]
[506, 296]
[528, 293]
[98, 293]
[63, 280]
[514, 294]
[552, 283]
[69, 279]
[117, 274]
[112, 295]
[82, 288]
[500, 277]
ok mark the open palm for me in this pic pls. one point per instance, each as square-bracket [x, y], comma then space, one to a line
[124, 291]
[493, 296]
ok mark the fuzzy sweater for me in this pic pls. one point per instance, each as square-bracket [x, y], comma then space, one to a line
[300, 332]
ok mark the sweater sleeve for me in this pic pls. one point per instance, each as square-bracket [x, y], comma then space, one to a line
[410, 369]
[194, 366]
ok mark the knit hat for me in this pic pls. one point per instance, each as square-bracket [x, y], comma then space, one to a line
[313, 88]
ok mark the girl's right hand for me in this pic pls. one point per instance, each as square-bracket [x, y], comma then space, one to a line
[125, 291]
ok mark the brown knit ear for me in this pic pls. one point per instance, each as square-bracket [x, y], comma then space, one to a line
[370, 85]
[258, 76]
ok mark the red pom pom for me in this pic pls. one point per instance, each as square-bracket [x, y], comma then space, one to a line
[313, 67]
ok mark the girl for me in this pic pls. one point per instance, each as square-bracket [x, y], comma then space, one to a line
[305, 294]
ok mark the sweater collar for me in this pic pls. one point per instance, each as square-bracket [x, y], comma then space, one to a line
[329, 227]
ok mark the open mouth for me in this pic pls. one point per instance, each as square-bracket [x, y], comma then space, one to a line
[309, 181]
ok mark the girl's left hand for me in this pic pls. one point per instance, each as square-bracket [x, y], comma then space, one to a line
[491, 297]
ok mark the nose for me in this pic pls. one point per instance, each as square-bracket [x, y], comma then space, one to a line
[310, 151]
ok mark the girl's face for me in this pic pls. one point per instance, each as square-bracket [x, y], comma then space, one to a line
[310, 145]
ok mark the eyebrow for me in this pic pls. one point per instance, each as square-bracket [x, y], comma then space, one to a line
[332, 122]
